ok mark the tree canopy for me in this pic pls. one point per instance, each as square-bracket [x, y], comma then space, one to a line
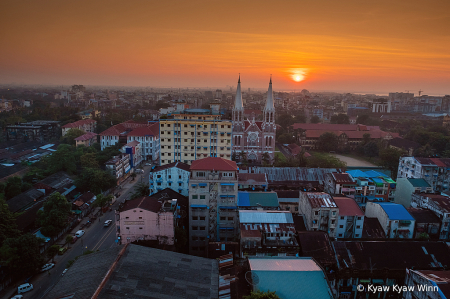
[70, 136]
[315, 119]
[54, 216]
[95, 180]
[327, 142]
[340, 119]
[262, 295]
[389, 159]
[8, 226]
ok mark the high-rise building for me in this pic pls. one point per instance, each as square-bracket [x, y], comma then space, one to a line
[213, 190]
[194, 134]
[255, 138]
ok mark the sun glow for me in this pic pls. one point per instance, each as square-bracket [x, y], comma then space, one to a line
[298, 75]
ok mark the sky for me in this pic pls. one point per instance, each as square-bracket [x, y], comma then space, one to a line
[320, 45]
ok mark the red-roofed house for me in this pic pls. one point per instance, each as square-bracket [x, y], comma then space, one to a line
[87, 125]
[213, 190]
[87, 139]
[340, 183]
[350, 219]
[146, 133]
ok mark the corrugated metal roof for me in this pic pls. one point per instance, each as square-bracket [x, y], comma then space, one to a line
[265, 217]
[283, 264]
[275, 174]
[320, 200]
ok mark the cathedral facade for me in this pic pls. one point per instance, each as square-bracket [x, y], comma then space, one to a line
[254, 138]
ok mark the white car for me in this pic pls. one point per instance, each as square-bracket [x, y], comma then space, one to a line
[79, 233]
[148, 164]
[108, 222]
[47, 267]
[23, 288]
[64, 272]
[17, 297]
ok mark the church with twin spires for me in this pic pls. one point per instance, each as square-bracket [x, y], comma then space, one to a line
[250, 136]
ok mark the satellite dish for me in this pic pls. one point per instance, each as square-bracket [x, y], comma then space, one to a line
[252, 278]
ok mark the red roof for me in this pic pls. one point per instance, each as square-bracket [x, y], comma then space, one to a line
[86, 136]
[146, 203]
[257, 123]
[325, 127]
[342, 178]
[126, 127]
[132, 143]
[294, 149]
[347, 206]
[214, 163]
[78, 123]
[151, 130]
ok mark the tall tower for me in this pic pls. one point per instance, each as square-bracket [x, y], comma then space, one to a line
[238, 110]
[269, 110]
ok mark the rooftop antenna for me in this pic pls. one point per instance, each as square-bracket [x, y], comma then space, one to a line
[420, 92]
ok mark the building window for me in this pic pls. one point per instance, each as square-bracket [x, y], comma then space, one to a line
[332, 221]
[202, 218]
[342, 217]
[202, 196]
[341, 226]
[316, 213]
[201, 174]
[194, 196]
[358, 218]
[179, 184]
[333, 213]
[223, 218]
[195, 228]
[296, 209]
[127, 217]
[357, 236]
[202, 227]
[230, 218]
[194, 217]
[140, 217]
[127, 227]
[202, 238]
[358, 226]
[340, 235]
[141, 228]
[194, 238]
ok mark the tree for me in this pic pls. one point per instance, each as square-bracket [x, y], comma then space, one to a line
[340, 119]
[327, 142]
[89, 160]
[69, 137]
[315, 119]
[389, 159]
[52, 251]
[366, 139]
[8, 226]
[69, 239]
[54, 216]
[324, 160]
[243, 157]
[102, 200]
[286, 138]
[21, 254]
[425, 151]
[262, 295]
[141, 189]
[95, 180]
[285, 120]
[63, 160]
[13, 187]
[371, 149]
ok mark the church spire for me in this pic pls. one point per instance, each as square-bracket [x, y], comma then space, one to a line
[238, 101]
[269, 103]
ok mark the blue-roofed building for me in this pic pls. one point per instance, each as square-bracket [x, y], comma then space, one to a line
[253, 200]
[395, 220]
[289, 277]
[372, 186]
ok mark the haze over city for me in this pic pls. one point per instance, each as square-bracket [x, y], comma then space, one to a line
[350, 46]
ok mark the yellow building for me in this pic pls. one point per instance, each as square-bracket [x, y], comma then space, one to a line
[194, 135]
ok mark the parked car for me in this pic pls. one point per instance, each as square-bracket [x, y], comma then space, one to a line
[23, 288]
[75, 238]
[17, 297]
[47, 267]
[79, 233]
[148, 164]
[108, 222]
[64, 272]
[62, 250]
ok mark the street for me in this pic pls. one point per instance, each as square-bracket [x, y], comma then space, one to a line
[96, 237]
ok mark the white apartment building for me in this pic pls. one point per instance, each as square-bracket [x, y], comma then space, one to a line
[174, 176]
[436, 171]
[320, 210]
[351, 218]
[394, 219]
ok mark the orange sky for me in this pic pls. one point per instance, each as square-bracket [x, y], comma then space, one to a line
[355, 46]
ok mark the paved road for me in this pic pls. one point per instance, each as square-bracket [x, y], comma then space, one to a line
[96, 237]
[354, 162]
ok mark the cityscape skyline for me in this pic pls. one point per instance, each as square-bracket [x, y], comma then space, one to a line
[334, 47]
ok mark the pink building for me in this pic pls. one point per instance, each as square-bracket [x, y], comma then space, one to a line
[147, 218]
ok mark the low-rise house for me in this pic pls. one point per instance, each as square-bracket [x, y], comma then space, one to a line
[258, 200]
[279, 274]
[372, 186]
[87, 139]
[340, 183]
[174, 176]
[26, 199]
[267, 232]
[289, 200]
[147, 218]
[427, 284]
[351, 218]
[407, 186]
[394, 218]
[440, 205]
[426, 222]
[253, 181]
[87, 125]
[320, 210]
